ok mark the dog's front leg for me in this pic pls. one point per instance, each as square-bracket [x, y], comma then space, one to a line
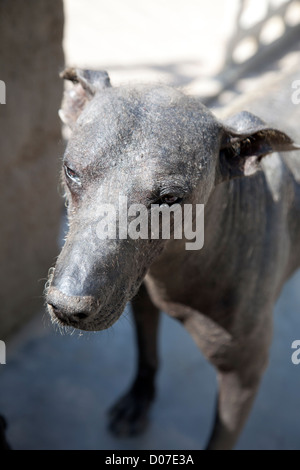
[129, 416]
[234, 403]
[240, 360]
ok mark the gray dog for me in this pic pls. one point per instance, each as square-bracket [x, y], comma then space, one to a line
[155, 145]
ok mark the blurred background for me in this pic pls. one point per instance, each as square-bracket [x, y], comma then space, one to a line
[54, 389]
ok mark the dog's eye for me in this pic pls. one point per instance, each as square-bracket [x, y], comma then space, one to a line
[72, 175]
[169, 199]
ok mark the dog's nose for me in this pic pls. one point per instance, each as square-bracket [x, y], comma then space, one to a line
[64, 315]
[70, 309]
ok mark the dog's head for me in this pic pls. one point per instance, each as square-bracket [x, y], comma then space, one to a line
[132, 148]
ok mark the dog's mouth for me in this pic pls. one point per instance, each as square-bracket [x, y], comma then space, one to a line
[86, 312]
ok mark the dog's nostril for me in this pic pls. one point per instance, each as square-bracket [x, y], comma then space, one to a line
[81, 315]
[57, 312]
[70, 309]
[60, 313]
[54, 308]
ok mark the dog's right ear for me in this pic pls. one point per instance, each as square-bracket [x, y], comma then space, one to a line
[246, 140]
[86, 83]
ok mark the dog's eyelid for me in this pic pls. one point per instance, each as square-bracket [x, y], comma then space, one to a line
[72, 175]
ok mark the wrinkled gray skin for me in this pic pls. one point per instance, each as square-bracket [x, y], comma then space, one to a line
[149, 142]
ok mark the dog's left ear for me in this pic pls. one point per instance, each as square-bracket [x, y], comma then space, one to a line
[246, 140]
[90, 80]
[85, 84]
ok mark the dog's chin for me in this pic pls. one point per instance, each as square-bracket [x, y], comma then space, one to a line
[98, 322]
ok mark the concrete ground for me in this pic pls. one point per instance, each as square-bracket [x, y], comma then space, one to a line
[56, 389]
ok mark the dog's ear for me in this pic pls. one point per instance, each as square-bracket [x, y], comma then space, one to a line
[86, 83]
[246, 140]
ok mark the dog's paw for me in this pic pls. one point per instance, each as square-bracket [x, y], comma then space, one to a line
[3, 442]
[130, 415]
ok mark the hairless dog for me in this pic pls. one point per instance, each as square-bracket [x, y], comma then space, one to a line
[155, 145]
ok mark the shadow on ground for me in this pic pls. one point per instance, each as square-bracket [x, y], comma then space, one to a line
[56, 389]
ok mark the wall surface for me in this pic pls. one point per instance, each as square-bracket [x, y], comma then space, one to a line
[31, 57]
